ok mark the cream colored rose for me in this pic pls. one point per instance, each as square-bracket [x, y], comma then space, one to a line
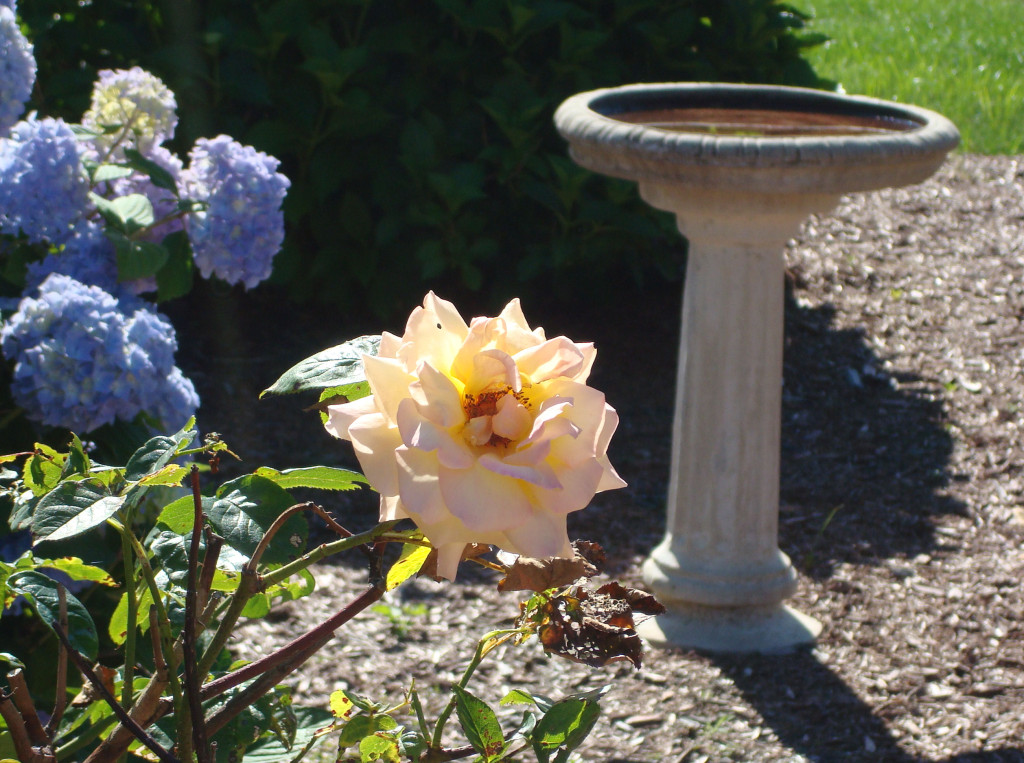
[485, 433]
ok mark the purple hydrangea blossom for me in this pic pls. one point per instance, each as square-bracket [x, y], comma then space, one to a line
[83, 358]
[241, 228]
[44, 192]
[138, 102]
[17, 68]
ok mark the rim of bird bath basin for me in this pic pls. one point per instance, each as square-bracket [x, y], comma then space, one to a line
[741, 166]
[735, 137]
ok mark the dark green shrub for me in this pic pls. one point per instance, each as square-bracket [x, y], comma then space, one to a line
[418, 133]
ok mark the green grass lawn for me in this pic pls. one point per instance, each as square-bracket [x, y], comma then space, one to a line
[963, 59]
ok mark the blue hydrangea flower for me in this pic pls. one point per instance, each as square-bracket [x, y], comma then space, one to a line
[88, 257]
[12, 4]
[138, 102]
[83, 358]
[242, 227]
[17, 68]
[44, 192]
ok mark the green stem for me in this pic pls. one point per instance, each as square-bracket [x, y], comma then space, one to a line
[489, 642]
[378, 533]
[127, 688]
[88, 735]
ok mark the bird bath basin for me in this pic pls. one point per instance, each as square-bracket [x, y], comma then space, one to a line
[741, 167]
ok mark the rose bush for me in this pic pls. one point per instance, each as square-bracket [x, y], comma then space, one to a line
[480, 433]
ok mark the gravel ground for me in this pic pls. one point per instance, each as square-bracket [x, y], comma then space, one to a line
[902, 498]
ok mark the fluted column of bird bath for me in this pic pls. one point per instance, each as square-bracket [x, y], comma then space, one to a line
[741, 167]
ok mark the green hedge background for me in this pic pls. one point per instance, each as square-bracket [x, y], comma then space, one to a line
[418, 133]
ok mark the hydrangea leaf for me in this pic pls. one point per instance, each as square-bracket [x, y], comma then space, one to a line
[73, 508]
[175, 278]
[333, 367]
[41, 591]
[105, 172]
[125, 213]
[160, 177]
[137, 259]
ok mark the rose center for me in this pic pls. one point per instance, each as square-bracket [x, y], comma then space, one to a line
[496, 417]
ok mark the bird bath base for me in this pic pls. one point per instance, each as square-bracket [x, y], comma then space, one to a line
[741, 167]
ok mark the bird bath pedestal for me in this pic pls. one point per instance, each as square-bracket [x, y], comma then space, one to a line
[741, 167]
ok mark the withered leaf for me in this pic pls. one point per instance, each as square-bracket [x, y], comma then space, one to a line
[592, 552]
[638, 601]
[89, 693]
[526, 574]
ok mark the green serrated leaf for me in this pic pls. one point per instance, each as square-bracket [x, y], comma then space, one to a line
[355, 730]
[41, 591]
[244, 510]
[76, 569]
[43, 469]
[479, 723]
[408, 564]
[170, 475]
[564, 726]
[117, 628]
[379, 748]
[73, 508]
[179, 515]
[333, 367]
[517, 697]
[158, 452]
[319, 477]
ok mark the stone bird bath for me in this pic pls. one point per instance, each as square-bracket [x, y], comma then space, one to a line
[741, 167]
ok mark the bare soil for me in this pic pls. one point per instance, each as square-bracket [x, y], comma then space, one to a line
[902, 499]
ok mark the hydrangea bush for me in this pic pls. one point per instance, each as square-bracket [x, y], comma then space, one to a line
[479, 437]
[94, 216]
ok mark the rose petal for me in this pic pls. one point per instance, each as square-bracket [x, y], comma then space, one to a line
[518, 334]
[341, 415]
[542, 535]
[389, 345]
[389, 383]
[418, 432]
[540, 474]
[554, 358]
[493, 369]
[418, 484]
[437, 397]
[374, 443]
[391, 508]
[512, 421]
[482, 500]
[577, 487]
[433, 333]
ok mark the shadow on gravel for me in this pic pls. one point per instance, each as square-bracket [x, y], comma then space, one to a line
[799, 699]
[865, 455]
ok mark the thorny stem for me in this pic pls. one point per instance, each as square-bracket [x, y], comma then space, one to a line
[16, 728]
[489, 642]
[192, 679]
[23, 702]
[83, 666]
